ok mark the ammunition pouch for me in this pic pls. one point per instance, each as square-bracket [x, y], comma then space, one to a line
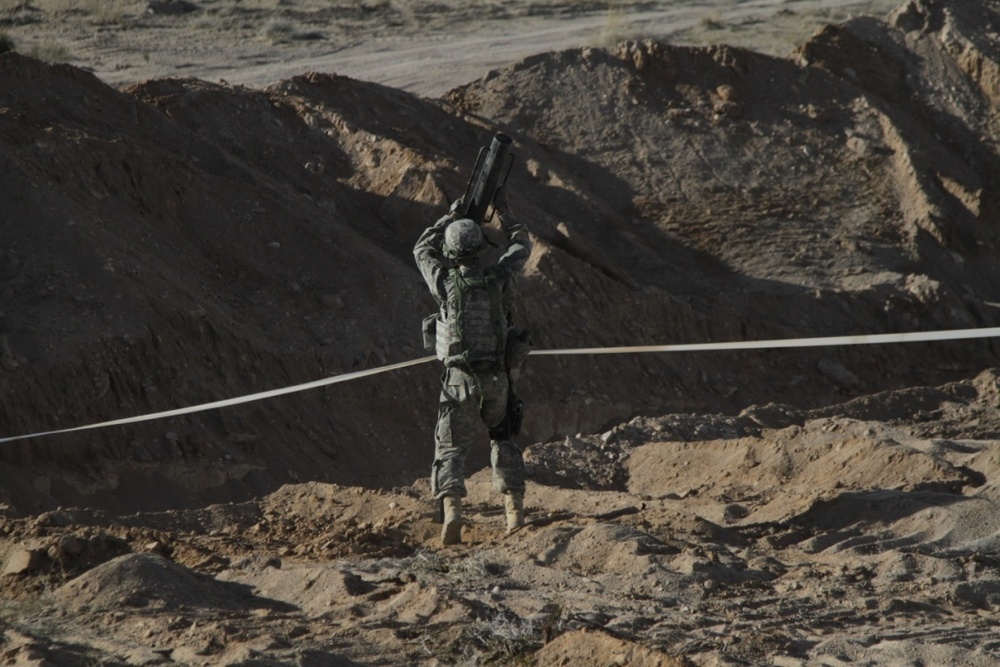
[510, 425]
[430, 331]
[517, 349]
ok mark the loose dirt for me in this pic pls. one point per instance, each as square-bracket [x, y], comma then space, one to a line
[177, 240]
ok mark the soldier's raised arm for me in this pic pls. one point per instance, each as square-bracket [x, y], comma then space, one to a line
[518, 239]
[430, 257]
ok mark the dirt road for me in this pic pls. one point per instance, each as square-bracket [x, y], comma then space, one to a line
[416, 45]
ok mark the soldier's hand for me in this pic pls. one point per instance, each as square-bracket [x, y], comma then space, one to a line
[500, 200]
[456, 205]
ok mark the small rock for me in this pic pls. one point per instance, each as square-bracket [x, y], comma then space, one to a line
[355, 585]
[314, 168]
[23, 561]
[820, 114]
[71, 545]
[728, 109]
[859, 145]
[727, 93]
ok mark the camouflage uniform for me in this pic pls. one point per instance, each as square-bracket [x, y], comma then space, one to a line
[473, 396]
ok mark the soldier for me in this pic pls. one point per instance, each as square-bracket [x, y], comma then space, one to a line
[482, 352]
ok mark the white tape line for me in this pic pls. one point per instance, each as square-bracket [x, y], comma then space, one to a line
[871, 339]
[232, 401]
[867, 339]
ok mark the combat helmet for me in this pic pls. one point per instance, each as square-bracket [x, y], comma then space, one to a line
[462, 239]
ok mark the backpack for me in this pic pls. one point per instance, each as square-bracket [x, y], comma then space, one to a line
[471, 327]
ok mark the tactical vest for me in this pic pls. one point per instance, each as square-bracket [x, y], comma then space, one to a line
[472, 327]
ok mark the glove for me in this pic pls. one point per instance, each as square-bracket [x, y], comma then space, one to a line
[457, 204]
[500, 200]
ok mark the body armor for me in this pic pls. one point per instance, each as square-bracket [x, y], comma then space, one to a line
[471, 328]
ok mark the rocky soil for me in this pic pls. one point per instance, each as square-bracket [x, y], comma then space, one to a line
[860, 533]
[179, 240]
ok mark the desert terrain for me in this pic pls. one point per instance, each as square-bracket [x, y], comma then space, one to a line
[421, 46]
[203, 199]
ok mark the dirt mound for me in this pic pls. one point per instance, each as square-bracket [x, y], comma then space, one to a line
[794, 462]
[141, 580]
[162, 270]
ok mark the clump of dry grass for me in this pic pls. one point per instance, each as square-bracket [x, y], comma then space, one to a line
[712, 21]
[426, 562]
[613, 29]
[279, 30]
[478, 565]
[506, 637]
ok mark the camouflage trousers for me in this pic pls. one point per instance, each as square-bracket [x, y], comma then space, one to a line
[470, 404]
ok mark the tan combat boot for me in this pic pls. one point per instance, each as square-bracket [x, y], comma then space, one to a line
[513, 503]
[451, 532]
